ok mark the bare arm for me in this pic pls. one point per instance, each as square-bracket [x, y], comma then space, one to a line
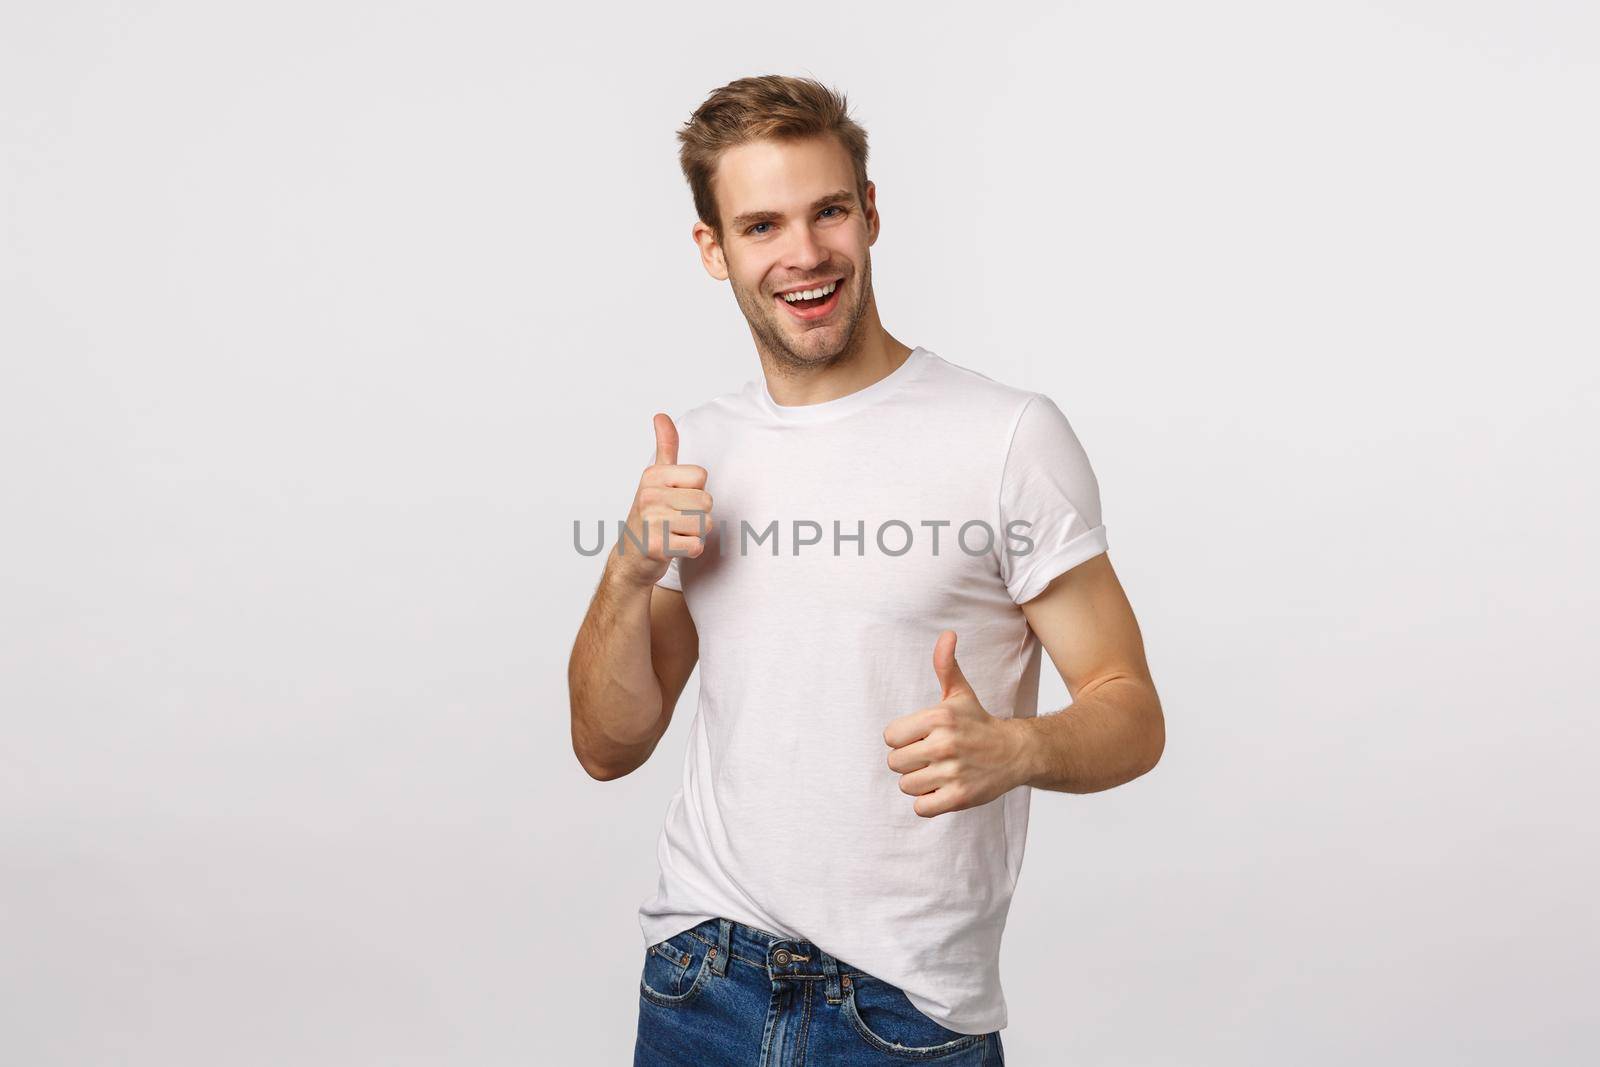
[638, 645]
[1114, 730]
[633, 656]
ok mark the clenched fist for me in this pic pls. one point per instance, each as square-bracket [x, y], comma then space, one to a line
[671, 510]
[955, 754]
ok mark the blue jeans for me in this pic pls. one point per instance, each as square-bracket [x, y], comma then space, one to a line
[723, 993]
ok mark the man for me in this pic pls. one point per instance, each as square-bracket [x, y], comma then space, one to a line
[836, 869]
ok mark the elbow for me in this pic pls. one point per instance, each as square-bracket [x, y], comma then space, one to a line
[623, 761]
[1154, 758]
[585, 735]
[598, 769]
[600, 772]
[1156, 735]
[610, 743]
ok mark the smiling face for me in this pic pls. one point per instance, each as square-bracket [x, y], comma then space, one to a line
[792, 223]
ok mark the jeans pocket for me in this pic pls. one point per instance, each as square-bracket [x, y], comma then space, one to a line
[887, 1020]
[675, 970]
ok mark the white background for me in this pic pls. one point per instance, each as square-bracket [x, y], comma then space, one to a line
[323, 321]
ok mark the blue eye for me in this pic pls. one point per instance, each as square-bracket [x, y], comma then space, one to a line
[756, 228]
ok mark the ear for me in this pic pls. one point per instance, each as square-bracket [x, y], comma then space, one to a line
[710, 251]
[874, 223]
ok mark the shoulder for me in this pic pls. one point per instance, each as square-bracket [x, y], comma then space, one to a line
[706, 424]
[1000, 405]
[1025, 429]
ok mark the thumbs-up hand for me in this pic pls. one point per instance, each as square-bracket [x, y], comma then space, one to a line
[671, 510]
[953, 755]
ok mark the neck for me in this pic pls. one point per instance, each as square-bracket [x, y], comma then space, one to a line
[872, 356]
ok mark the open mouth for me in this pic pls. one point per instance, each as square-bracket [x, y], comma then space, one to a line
[814, 303]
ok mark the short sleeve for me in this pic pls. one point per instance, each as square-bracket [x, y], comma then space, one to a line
[1049, 502]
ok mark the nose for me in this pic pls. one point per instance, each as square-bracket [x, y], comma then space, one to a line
[804, 252]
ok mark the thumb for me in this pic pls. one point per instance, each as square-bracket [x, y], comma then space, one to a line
[666, 438]
[951, 680]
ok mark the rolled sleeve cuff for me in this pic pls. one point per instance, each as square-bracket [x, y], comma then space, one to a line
[1031, 573]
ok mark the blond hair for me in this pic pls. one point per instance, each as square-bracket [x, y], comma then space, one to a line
[771, 105]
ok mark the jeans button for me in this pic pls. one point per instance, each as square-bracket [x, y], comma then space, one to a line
[781, 958]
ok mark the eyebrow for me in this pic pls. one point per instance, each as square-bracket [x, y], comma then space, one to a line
[750, 218]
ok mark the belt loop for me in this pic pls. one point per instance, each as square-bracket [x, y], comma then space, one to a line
[724, 940]
[830, 969]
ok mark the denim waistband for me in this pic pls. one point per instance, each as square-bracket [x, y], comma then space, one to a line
[783, 957]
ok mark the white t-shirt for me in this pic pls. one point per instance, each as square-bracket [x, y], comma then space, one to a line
[789, 818]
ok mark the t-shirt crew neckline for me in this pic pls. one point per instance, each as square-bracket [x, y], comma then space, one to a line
[850, 402]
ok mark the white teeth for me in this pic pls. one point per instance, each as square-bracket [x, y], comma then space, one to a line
[811, 294]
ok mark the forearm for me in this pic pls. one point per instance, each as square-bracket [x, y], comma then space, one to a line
[615, 695]
[1112, 733]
